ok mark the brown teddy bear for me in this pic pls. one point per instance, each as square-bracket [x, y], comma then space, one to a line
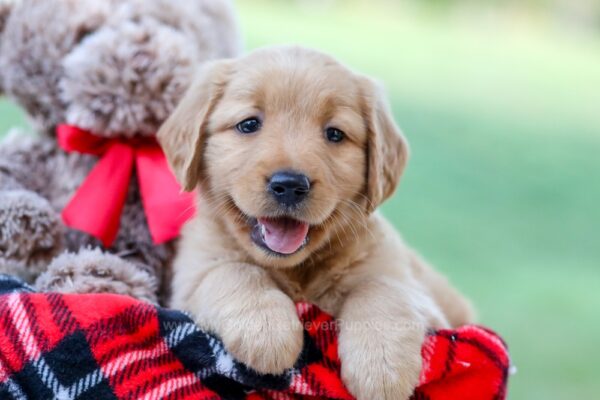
[107, 73]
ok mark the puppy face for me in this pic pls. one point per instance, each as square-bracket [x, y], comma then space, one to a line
[289, 148]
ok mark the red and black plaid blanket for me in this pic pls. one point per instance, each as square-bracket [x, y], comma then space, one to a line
[105, 346]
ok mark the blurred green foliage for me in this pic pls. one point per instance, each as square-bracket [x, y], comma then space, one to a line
[503, 189]
[10, 117]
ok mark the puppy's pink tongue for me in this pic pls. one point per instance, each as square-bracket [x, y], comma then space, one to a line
[283, 235]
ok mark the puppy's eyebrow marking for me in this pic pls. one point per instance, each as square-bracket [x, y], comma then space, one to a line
[246, 93]
[229, 117]
[343, 115]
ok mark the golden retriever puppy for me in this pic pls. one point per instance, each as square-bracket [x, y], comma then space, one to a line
[292, 152]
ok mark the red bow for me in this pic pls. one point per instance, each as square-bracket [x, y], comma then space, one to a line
[97, 205]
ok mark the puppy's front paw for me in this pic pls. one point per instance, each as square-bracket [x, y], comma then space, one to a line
[268, 337]
[378, 367]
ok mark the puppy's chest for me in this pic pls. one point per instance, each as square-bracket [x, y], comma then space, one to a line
[321, 284]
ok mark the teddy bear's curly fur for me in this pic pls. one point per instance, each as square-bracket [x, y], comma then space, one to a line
[116, 68]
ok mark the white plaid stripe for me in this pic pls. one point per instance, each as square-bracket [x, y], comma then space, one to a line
[123, 361]
[47, 376]
[300, 385]
[85, 383]
[14, 390]
[224, 362]
[170, 386]
[23, 326]
[178, 334]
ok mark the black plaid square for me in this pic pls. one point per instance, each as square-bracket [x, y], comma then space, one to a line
[69, 371]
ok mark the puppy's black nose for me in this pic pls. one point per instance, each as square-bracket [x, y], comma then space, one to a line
[289, 188]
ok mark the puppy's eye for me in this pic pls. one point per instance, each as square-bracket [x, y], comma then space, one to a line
[335, 135]
[249, 125]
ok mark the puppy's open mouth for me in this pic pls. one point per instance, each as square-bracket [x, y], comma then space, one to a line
[282, 235]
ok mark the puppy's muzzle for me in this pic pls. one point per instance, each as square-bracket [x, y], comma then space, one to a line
[289, 188]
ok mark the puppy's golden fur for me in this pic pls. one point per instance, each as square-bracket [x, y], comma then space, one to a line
[354, 264]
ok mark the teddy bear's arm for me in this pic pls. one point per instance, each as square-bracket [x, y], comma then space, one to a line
[92, 270]
[30, 229]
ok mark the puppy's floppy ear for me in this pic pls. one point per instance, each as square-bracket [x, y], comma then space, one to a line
[387, 149]
[182, 135]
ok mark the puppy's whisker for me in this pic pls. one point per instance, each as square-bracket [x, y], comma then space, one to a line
[356, 215]
[359, 194]
[337, 233]
[220, 205]
[185, 211]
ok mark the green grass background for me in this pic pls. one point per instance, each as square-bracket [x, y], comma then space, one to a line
[502, 192]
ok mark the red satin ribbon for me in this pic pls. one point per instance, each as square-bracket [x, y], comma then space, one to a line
[97, 205]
